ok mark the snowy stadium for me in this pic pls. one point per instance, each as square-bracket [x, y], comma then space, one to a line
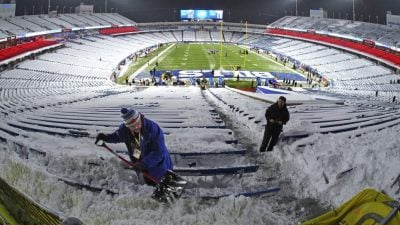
[66, 73]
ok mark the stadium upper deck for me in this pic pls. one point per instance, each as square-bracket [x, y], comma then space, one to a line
[381, 34]
[33, 25]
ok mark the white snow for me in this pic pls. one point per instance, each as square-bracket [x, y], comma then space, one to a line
[305, 168]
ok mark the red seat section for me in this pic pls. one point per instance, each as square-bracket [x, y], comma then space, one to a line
[117, 30]
[23, 48]
[388, 56]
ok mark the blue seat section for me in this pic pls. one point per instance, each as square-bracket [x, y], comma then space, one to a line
[250, 193]
[191, 154]
[288, 76]
[216, 171]
[199, 153]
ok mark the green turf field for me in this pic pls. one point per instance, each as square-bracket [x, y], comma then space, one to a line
[196, 56]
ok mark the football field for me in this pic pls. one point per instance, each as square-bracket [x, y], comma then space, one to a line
[199, 56]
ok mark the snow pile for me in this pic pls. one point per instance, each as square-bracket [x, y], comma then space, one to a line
[330, 168]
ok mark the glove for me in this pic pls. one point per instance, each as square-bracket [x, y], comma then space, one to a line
[100, 136]
[137, 166]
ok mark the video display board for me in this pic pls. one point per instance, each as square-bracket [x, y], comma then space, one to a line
[7, 10]
[201, 14]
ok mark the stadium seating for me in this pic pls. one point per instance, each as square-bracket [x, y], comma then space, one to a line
[178, 35]
[42, 22]
[189, 35]
[10, 29]
[216, 36]
[347, 74]
[117, 30]
[203, 35]
[23, 48]
[58, 21]
[236, 37]
[228, 36]
[164, 37]
[26, 24]
[22, 25]
[376, 32]
[340, 42]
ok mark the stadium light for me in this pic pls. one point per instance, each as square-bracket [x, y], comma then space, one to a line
[105, 6]
[297, 7]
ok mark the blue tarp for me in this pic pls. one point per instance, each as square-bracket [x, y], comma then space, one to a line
[288, 76]
[269, 91]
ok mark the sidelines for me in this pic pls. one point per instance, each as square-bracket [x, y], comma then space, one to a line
[269, 59]
[133, 75]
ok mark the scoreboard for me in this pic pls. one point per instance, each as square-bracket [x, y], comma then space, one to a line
[201, 15]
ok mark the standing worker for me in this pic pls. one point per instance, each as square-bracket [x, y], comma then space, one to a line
[144, 140]
[277, 115]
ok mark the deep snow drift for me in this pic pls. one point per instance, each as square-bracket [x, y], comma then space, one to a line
[306, 170]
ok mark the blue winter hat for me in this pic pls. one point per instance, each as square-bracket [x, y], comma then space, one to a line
[129, 115]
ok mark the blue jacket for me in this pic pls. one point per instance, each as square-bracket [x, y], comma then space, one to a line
[154, 154]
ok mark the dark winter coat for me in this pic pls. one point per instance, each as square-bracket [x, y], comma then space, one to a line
[274, 112]
[154, 158]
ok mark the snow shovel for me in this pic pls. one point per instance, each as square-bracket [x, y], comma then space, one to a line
[169, 189]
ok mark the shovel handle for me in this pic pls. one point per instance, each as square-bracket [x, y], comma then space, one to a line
[129, 163]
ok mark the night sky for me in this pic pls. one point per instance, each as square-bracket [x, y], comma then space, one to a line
[253, 11]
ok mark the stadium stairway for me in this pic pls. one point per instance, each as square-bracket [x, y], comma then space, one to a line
[232, 104]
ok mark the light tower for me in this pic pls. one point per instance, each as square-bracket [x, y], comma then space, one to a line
[105, 6]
